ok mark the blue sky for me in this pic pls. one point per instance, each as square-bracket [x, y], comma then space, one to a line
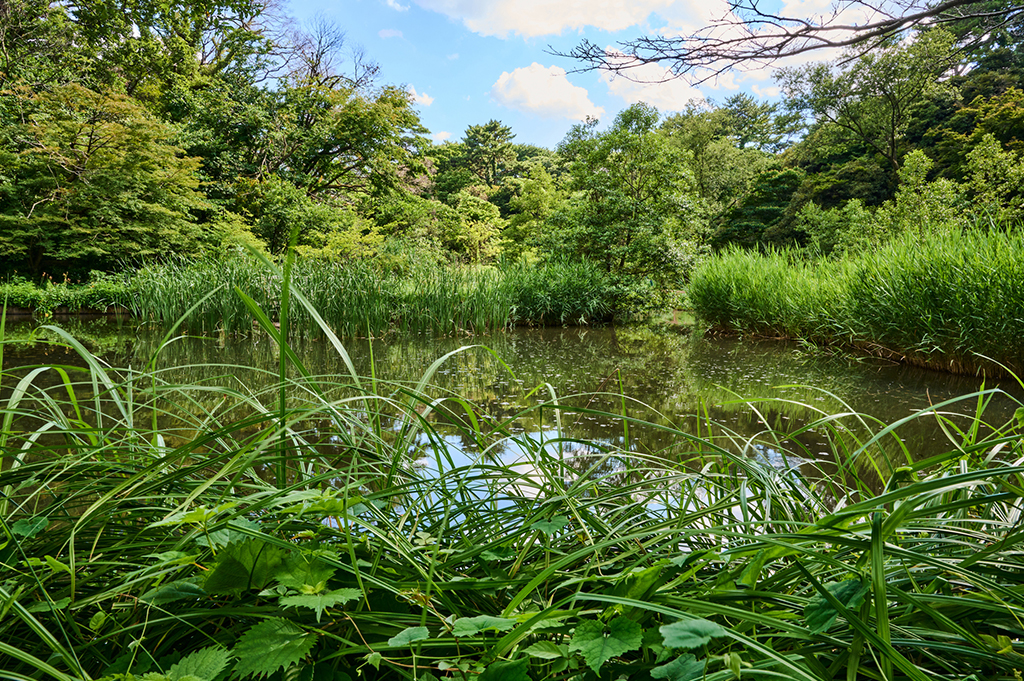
[470, 61]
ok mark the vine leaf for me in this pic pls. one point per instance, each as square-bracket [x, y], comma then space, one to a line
[546, 650]
[409, 635]
[819, 612]
[598, 646]
[688, 634]
[320, 601]
[29, 528]
[471, 626]
[507, 671]
[549, 527]
[683, 668]
[271, 645]
[204, 664]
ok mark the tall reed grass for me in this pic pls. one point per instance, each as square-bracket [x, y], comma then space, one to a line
[326, 528]
[358, 299]
[947, 300]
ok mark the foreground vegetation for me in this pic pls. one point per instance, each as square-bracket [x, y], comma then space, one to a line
[950, 300]
[326, 528]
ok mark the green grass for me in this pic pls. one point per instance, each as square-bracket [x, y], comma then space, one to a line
[357, 299]
[202, 531]
[949, 300]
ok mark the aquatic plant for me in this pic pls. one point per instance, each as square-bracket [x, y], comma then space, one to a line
[326, 527]
[949, 300]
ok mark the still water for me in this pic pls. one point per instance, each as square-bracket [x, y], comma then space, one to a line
[676, 378]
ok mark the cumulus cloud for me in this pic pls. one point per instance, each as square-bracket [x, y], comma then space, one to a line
[393, 4]
[765, 92]
[420, 97]
[389, 33]
[531, 18]
[544, 91]
[441, 136]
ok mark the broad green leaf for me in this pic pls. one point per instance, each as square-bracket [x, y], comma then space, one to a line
[546, 650]
[271, 645]
[45, 606]
[598, 646]
[97, 620]
[499, 553]
[409, 635]
[244, 565]
[688, 634]
[29, 527]
[683, 668]
[752, 572]
[200, 515]
[819, 612]
[304, 573]
[320, 601]
[173, 591]
[507, 671]
[204, 664]
[56, 565]
[549, 527]
[471, 626]
[373, 659]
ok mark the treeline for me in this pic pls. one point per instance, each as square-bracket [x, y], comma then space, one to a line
[129, 134]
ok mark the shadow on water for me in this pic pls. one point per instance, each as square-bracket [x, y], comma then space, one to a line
[720, 386]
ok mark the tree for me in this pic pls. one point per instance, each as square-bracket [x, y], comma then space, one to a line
[629, 201]
[489, 150]
[91, 180]
[871, 98]
[747, 35]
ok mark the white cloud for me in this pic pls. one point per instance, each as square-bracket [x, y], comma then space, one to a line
[389, 33]
[765, 92]
[420, 97]
[453, 56]
[652, 84]
[531, 18]
[393, 4]
[441, 136]
[544, 91]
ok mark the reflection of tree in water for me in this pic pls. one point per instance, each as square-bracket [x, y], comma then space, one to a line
[672, 380]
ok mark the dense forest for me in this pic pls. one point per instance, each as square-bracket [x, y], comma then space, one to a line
[134, 133]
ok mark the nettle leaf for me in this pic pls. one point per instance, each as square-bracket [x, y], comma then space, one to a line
[471, 626]
[819, 612]
[203, 664]
[409, 635]
[507, 671]
[29, 527]
[173, 591]
[549, 527]
[271, 645]
[688, 634]
[304, 573]
[321, 601]
[546, 650]
[598, 646]
[248, 564]
[683, 668]
[232, 533]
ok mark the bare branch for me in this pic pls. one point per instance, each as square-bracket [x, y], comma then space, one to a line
[747, 37]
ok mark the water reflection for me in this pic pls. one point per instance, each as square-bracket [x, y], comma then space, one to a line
[672, 379]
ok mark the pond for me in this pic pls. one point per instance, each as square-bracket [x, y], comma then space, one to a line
[673, 377]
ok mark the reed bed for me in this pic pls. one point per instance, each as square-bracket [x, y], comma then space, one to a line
[326, 528]
[948, 300]
[357, 299]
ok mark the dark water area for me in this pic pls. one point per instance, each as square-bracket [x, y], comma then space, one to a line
[673, 378]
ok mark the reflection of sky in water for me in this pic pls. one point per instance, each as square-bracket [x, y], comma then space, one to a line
[668, 377]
